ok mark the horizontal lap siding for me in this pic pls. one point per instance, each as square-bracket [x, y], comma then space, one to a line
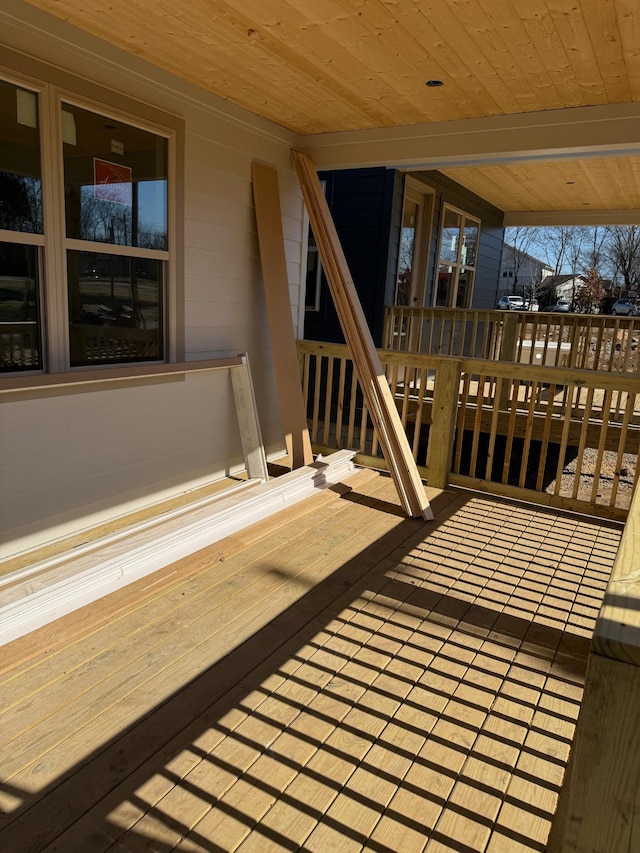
[74, 459]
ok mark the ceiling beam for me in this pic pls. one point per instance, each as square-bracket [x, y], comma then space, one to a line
[572, 217]
[554, 134]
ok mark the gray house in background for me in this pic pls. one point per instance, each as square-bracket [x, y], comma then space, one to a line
[521, 273]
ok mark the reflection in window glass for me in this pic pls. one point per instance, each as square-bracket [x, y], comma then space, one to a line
[469, 244]
[458, 251]
[407, 251]
[450, 236]
[115, 308]
[314, 276]
[115, 181]
[20, 331]
[20, 173]
[444, 285]
[465, 288]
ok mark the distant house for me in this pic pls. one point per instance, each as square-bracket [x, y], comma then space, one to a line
[563, 287]
[521, 273]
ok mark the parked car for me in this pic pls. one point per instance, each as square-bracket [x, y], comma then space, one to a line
[561, 305]
[625, 306]
[511, 303]
[532, 305]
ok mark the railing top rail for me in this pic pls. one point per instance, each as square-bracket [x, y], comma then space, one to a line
[19, 383]
[504, 369]
[567, 319]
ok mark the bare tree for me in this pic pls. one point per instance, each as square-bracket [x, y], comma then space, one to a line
[520, 240]
[575, 253]
[556, 241]
[595, 255]
[623, 251]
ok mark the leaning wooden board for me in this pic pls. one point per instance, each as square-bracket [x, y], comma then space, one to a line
[380, 403]
[274, 271]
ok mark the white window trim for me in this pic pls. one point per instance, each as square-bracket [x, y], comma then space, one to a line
[308, 309]
[53, 88]
[457, 264]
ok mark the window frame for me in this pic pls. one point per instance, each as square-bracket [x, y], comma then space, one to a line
[312, 248]
[54, 88]
[457, 266]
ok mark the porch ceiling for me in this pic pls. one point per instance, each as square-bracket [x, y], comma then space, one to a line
[326, 67]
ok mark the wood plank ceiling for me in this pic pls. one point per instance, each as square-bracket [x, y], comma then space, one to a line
[321, 66]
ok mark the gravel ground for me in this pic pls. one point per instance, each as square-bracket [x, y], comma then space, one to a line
[588, 462]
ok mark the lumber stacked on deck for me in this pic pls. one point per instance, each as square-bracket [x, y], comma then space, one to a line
[377, 395]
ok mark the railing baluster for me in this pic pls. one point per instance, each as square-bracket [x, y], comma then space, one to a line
[628, 413]
[316, 399]
[526, 444]
[327, 402]
[606, 408]
[424, 375]
[583, 441]
[515, 390]
[340, 402]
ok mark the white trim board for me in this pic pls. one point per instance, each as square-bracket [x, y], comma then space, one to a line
[54, 588]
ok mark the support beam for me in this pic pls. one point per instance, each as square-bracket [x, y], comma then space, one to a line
[373, 382]
[581, 131]
[274, 272]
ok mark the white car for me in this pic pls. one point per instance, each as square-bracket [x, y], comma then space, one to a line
[625, 306]
[561, 305]
[511, 303]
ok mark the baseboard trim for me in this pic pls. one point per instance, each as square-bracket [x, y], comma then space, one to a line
[59, 586]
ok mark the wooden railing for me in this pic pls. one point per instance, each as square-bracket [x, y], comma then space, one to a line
[113, 344]
[598, 804]
[20, 346]
[585, 341]
[559, 436]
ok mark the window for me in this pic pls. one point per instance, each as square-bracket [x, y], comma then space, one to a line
[457, 259]
[21, 229]
[314, 276]
[313, 282]
[84, 236]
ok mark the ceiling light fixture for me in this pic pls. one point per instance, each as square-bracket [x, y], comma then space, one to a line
[433, 84]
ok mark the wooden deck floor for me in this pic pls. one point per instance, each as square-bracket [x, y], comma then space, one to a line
[337, 678]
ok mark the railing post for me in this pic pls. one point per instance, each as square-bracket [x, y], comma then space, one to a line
[509, 338]
[443, 423]
[508, 349]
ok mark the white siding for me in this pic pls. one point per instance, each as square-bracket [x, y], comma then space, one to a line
[72, 459]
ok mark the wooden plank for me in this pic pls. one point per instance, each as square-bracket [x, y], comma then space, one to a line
[274, 270]
[215, 621]
[443, 422]
[248, 423]
[599, 802]
[382, 410]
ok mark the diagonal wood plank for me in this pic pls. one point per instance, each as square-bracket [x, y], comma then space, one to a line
[373, 382]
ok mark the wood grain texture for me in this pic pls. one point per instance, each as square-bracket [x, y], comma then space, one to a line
[347, 677]
[323, 66]
[373, 382]
[274, 271]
